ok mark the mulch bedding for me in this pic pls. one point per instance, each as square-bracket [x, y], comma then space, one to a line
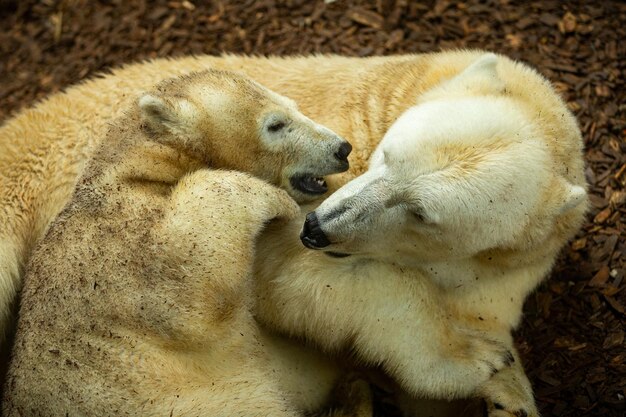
[572, 337]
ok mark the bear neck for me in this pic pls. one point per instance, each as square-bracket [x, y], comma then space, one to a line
[493, 282]
[130, 154]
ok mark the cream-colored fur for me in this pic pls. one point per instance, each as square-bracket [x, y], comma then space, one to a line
[396, 313]
[467, 200]
[138, 299]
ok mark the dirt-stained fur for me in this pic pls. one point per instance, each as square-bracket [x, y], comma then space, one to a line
[138, 299]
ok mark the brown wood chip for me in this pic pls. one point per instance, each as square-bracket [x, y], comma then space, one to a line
[570, 334]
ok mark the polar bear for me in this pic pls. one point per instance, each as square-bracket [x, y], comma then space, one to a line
[341, 302]
[464, 206]
[138, 299]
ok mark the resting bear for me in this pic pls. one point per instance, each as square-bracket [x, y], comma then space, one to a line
[138, 299]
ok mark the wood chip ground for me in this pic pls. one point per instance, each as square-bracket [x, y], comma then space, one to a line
[572, 337]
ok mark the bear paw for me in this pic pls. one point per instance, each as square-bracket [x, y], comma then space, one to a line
[483, 352]
[509, 394]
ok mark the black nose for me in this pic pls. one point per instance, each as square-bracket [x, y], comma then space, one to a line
[312, 235]
[344, 150]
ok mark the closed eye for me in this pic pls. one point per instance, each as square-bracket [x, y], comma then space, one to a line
[385, 156]
[419, 216]
[416, 211]
[276, 126]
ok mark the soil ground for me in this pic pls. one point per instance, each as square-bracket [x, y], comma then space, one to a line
[572, 337]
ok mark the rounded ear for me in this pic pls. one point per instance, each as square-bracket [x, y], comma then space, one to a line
[485, 65]
[159, 114]
[574, 196]
[481, 76]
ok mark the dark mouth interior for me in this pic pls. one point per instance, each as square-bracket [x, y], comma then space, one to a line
[309, 184]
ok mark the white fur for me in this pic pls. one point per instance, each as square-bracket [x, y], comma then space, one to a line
[457, 218]
[467, 210]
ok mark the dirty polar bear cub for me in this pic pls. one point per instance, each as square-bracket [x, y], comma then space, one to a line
[138, 299]
[478, 186]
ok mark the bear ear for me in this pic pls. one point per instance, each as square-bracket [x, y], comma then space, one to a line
[481, 75]
[159, 114]
[574, 196]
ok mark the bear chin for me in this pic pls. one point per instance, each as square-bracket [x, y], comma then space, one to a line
[337, 254]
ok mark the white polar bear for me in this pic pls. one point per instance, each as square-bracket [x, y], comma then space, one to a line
[459, 216]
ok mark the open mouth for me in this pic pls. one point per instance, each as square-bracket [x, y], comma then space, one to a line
[309, 184]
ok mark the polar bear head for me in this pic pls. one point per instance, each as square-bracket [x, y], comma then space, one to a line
[470, 171]
[229, 121]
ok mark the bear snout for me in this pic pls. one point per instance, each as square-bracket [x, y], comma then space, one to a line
[344, 150]
[312, 235]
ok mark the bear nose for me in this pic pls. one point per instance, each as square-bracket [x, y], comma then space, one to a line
[344, 150]
[312, 235]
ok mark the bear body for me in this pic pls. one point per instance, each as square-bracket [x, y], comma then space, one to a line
[138, 299]
[433, 302]
[455, 222]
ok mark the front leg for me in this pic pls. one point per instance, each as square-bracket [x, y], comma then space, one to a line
[430, 350]
[384, 314]
[509, 393]
[213, 209]
[204, 245]
[200, 303]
